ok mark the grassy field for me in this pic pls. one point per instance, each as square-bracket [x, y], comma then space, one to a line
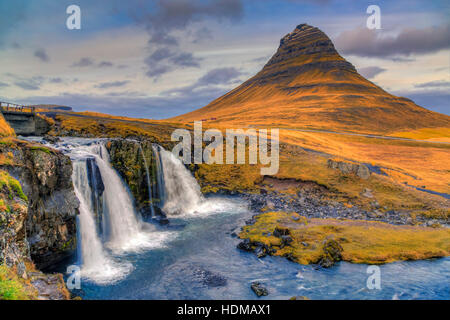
[431, 134]
[12, 287]
[416, 163]
[420, 164]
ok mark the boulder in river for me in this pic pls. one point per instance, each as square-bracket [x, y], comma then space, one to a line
[258, 289]
[245, 245]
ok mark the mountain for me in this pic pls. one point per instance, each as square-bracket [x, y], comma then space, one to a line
[52, 107]
[307, 84]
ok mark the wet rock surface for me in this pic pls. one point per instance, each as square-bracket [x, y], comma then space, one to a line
[259, 289]
[127, 157]
[209, 278]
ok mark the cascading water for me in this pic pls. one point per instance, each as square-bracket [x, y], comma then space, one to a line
[181, 190]
[106, 209]
[125, 227]
[95, 261]
[204, 253]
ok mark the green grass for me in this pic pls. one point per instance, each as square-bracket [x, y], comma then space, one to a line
[46, 150]
[12, 185]
[12, 287]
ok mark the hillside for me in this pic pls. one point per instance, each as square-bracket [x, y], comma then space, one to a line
[5, 129]
[307, 84]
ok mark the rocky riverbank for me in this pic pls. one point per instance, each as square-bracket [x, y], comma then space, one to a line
[325, 241]
[307, 227]
[313, 207]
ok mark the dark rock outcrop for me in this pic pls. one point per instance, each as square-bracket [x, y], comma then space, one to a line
[280, 231]
[50, 224]
[245, 245]
[332, 253]
[127, 157]
[38, 208]
[13, 215]
[258, 289]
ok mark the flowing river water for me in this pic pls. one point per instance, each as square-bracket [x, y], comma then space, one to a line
[123, 256]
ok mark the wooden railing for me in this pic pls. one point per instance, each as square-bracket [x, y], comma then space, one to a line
[14, 107]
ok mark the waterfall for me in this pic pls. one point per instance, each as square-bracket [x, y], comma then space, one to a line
[124, 226]
[150, 198]
[181, 190]
[159, 174]
[95, 262]
[108, 225]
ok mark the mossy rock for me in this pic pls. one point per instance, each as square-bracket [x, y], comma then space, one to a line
[332, 253]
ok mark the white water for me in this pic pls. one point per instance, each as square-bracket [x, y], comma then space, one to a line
[182, 195]
[96, 263]
[125, 231]
[182, 192]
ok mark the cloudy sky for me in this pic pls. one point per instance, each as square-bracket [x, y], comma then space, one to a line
[156, 59]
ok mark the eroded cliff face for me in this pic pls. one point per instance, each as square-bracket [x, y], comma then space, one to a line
[127, 157]
[49, 224]
[13, 214]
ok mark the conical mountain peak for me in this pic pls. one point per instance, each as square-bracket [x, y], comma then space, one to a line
[307, 84]
[304, 48]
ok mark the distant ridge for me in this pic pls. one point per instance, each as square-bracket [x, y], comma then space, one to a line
[308, 84]
[53, 107]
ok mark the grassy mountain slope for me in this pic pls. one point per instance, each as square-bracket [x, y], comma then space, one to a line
[308, 84]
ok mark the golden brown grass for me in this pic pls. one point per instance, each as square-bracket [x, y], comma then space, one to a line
[403, 158]
[362, 241]
[420, 164]
[431, 134]
[336, 99]
[5, 129]
[110, 127]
